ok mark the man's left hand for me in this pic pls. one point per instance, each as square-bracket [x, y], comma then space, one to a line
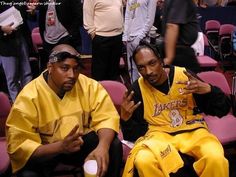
[194, 85]
[101, 155]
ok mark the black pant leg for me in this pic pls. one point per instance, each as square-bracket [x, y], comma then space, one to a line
[114, 62]
[106, 53]
[90, 143]
[115, 160]
[100, 53]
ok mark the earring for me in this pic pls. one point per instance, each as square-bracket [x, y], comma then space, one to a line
[162, 65]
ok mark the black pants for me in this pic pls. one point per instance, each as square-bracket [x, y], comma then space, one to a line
[106, 57]
[185, 57]
[45, 168]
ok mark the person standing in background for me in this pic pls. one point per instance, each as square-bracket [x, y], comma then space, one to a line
[14, 50]
[158, 16]
[139, 18]
[59, 23]
[104, 22]
[180, 31]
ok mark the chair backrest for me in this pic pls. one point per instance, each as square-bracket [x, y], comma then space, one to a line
[225, 45]
[4, 111]
[216, 79]
[35, 30]
[116, 91]
[212, 28]
[226, 29]
[223, 128]
[212, 25]
[36, 38]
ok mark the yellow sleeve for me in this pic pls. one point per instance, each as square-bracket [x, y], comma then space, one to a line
[21, 131]
[104, 113]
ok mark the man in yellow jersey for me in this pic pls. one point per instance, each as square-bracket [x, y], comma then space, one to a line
[63, 117]
[162, 112]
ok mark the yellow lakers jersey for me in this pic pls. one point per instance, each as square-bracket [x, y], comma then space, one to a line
[170, 112]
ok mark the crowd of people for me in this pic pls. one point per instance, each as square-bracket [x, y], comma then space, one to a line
[63, 116]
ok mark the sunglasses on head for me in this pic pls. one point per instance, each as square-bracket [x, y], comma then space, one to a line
[60, 56]
[56, 56]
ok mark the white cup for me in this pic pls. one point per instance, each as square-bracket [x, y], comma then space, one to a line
[90, 168]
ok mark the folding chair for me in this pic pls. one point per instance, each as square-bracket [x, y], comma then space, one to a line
[37, 40]
[5, 168]
[206, 61]
[225, 43]
[223, 128]
[37, 44]
[233, 38]
[212, 28]
[209, 49]
[233, 94]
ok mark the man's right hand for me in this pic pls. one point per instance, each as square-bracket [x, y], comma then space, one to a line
[8, 29]
[73, 141]
[92, 35]
[128, 106]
